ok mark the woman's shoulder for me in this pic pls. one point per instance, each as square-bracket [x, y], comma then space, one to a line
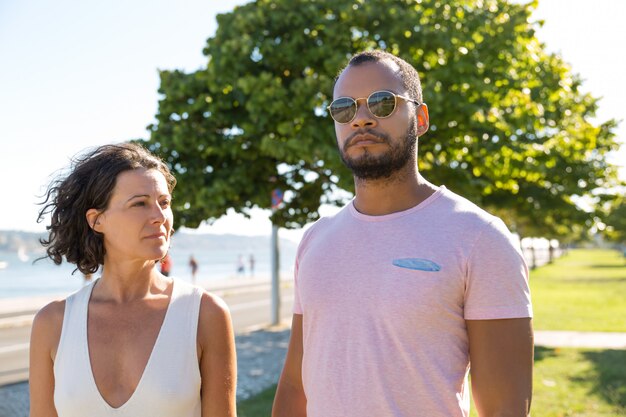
[51, 313]
[215, 326]
[49, 320]
[48, 323]
[209, 302]
[212, 304]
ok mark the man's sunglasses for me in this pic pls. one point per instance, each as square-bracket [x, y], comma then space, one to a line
[380, 103]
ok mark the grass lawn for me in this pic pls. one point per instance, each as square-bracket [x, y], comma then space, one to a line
[579, 382]
[567, 383]
[257, 406]
[584, 290]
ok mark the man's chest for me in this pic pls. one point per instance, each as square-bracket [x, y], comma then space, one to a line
[387, 275]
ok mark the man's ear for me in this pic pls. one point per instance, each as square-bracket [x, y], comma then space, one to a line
[93, 219]
[422, 119]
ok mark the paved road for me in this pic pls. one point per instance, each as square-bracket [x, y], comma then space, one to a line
[249, 306]
[14, 354]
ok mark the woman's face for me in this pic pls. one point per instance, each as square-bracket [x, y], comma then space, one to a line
[138, 220]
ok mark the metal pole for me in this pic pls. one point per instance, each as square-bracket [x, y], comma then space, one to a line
[275, 278]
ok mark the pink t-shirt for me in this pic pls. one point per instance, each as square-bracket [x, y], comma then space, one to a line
[384, 301]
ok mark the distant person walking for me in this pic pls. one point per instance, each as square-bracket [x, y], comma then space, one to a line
[112, 211]
[193, 264]
[166, 265]
[251, 262]
[241, 268]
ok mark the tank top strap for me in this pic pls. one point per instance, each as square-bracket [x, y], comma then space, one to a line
[173, 367]
[74, 328]
[181, 324]
[72, 369]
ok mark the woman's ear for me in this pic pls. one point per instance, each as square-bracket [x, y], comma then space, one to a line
[93, 219]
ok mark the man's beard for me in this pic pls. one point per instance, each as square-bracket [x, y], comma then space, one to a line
[368, 166]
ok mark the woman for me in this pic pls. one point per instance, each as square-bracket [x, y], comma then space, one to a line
[133, 342]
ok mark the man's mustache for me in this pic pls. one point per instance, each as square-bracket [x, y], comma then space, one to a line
[363, 132]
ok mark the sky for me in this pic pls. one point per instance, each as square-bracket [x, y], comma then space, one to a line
[76, 74]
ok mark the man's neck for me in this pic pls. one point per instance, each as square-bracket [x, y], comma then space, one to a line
[391, 195]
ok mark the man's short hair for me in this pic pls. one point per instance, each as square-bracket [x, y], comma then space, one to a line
[408, 74]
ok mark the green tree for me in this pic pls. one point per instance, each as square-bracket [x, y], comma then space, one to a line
[510, 128]
[615, 220]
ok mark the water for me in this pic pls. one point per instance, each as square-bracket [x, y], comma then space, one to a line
[22, 278]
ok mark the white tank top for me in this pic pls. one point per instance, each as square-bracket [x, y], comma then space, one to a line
[170, 384]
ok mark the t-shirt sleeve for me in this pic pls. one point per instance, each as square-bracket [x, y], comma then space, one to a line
[497, 277]
[297, 306]
[297, 302]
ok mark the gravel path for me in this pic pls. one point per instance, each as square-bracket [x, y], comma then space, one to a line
[260, 357]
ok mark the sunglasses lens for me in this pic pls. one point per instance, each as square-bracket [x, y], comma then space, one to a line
[381, 103]
[343, 109]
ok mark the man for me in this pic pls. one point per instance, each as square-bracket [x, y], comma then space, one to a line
[397, 293]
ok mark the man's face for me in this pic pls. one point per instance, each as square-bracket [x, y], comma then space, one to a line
[371, 147]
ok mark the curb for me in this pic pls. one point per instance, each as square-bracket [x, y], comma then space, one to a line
[584, 340]
[17, 321]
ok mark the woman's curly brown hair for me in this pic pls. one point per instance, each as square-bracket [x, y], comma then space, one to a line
[88, 185]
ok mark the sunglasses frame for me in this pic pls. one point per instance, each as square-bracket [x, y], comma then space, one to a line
[355, 102]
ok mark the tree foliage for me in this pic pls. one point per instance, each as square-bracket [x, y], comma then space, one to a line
[510, 128]
[615, 220]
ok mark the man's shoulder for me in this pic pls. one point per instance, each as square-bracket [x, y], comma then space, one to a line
[471, 220]
[463, 210]
[331, 220]
[325, 225]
